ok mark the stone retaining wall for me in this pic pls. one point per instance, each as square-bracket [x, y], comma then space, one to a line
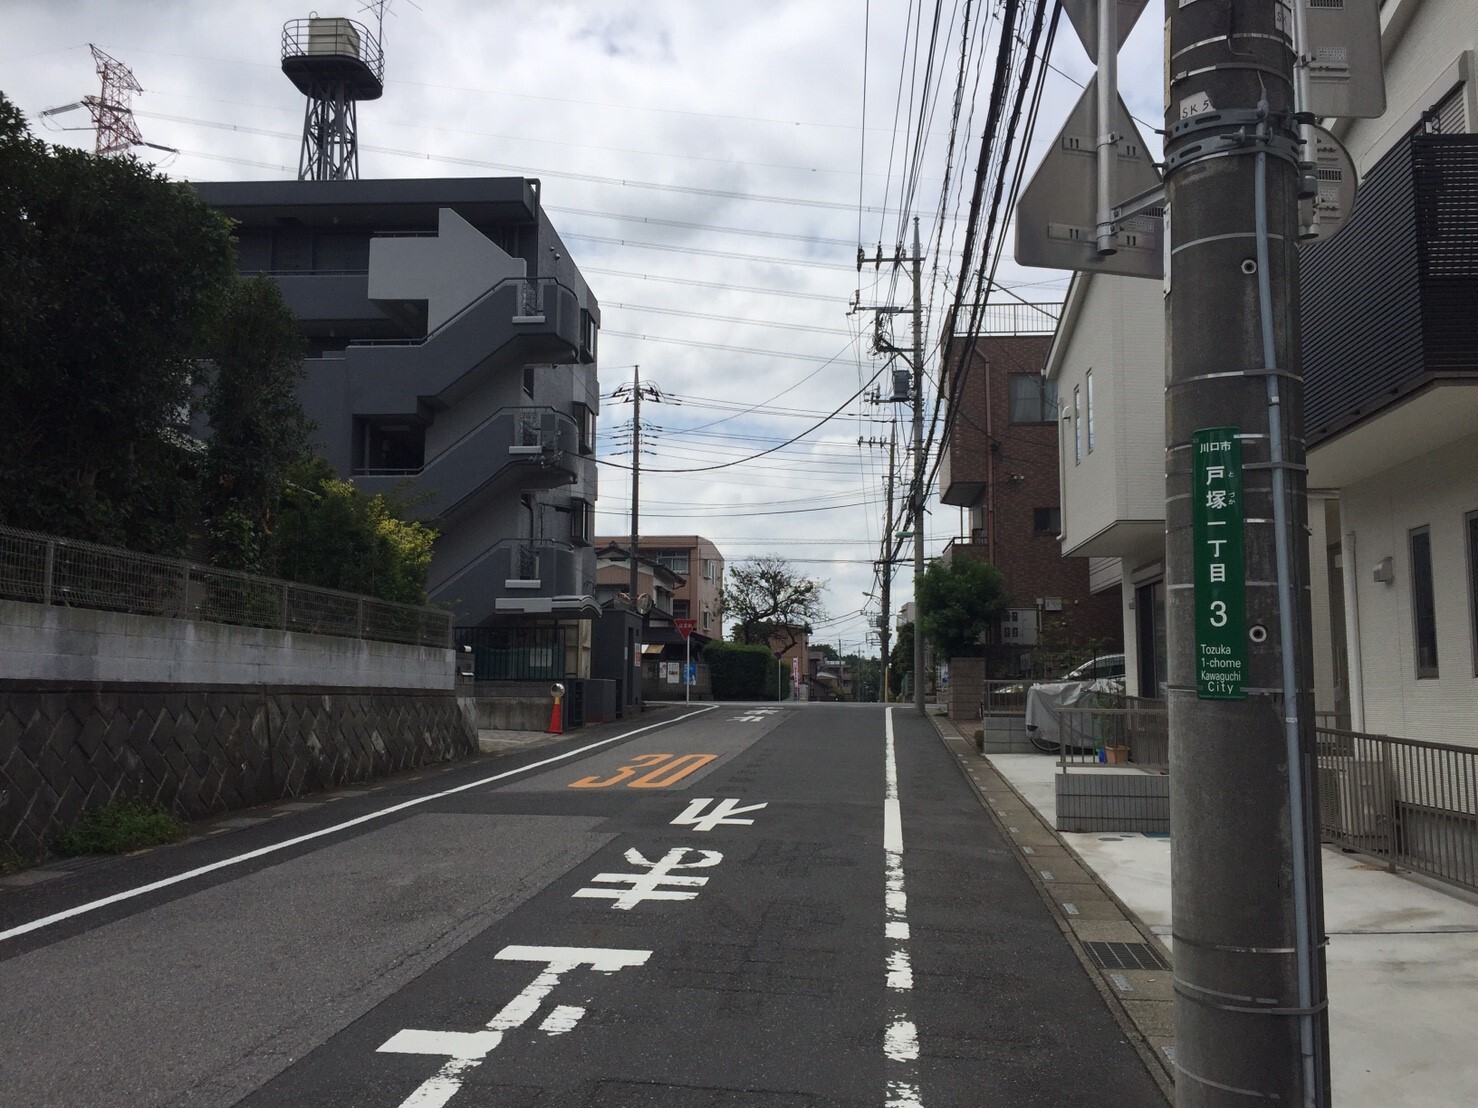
[203, 749]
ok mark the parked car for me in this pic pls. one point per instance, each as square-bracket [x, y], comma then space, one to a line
[1105, 665]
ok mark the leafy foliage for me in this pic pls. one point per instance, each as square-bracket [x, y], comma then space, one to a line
[112, 275]
[258, 430]
[331, 535]
[120, 827]
[770, 602]
[742, 671]
[958, 602]
[900, 660]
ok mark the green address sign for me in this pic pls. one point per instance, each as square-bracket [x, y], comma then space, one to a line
[1219, 564]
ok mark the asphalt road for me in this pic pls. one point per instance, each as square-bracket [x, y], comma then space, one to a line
[743, 907]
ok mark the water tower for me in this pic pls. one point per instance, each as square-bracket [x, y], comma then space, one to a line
[335, 63]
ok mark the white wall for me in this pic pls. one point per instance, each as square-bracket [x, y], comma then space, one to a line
[1424, 41]
[1437, 491]
[50, 643]
[1119, 334]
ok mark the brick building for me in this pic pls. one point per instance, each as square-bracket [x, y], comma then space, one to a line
[1000, 469]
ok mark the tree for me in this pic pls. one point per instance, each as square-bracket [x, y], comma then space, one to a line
[958, 602]
[333, 536]
[112, 276]
[770, 602]
[900, 660]
[259, 432]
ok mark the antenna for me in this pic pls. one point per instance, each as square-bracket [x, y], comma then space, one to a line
[335, 63]
[111, 109]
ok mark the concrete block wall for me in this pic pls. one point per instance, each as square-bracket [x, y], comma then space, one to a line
[203, 717]
[1105, 800]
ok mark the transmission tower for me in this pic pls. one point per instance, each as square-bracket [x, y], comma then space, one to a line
[335, 63]
[112, 109]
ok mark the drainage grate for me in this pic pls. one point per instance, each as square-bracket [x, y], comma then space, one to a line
[1110, 956]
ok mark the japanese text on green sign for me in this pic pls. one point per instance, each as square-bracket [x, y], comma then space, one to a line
[1219, 565]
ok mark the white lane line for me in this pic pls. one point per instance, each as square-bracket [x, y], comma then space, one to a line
[900, 1037]
[200, 871]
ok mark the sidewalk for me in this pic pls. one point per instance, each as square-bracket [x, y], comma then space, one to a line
[1402, 956]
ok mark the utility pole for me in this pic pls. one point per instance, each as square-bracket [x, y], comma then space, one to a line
[633, 585]
[917, 493]
[915, 393]
[885, 619]
[1251, 1018]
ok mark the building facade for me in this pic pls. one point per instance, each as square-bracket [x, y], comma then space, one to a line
[701, 566]
[1000, 468]
[451, 357]
[1390, 363]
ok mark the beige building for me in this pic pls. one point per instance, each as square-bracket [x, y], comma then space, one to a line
[698, 562]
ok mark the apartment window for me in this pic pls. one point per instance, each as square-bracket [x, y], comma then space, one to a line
[707, 619]
[680, 609]
[390, 446]
[1423, 603]
[1047, 521]
[1077, 428]
[582, 515]
[674, 560]
[585, 417]
[528, 380]
[1088, 401]
[1033, 399]
[1472, 534]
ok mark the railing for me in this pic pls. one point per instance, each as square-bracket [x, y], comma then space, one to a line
[1012, 319]
[530, 296]
[513, 653]
[42, 569]
[1413, 803]
[1125, 730]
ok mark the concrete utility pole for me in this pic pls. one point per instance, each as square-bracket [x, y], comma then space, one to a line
[1251, 1022]
[633, 586]
[884, 628]
[916, 495]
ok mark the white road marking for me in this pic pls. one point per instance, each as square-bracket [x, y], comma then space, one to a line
[648, 886]
[723, 814]
[465, 1051]
[900, 1037]
[200, 871]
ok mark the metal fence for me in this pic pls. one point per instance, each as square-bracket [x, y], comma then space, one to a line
[513, 653]
[1125, 730]
[43, 569]
[1413, 803]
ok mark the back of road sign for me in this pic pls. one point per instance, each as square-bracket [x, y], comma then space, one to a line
[1084, 17]
[1057, 214]
[1342, 51]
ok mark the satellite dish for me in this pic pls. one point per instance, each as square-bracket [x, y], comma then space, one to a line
[644, 603]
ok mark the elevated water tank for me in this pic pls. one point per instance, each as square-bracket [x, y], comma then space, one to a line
[333, 53]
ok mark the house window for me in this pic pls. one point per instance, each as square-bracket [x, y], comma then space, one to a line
[1423, 603]
[1472, 534]
[1047, 521]
[1088, 400]
[585, 418]
[1033, 399]
[1077, 428]
[680, 609]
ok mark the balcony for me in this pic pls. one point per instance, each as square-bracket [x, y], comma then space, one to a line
[1388, 314]
[526, 576]
[515, 449]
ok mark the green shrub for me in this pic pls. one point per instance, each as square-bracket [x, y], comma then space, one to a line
[740, 672]
[120, 827]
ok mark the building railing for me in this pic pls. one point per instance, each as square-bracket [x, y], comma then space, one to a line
[44, 569]
[513, 653]
[1013, 318]
[1127, 730]
[1410, 802]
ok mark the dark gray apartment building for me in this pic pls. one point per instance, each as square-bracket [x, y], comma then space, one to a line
[451, 353]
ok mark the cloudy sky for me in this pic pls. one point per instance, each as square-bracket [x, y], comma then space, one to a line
[712, 166]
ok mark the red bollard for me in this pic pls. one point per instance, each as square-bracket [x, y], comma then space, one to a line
[556, 719]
